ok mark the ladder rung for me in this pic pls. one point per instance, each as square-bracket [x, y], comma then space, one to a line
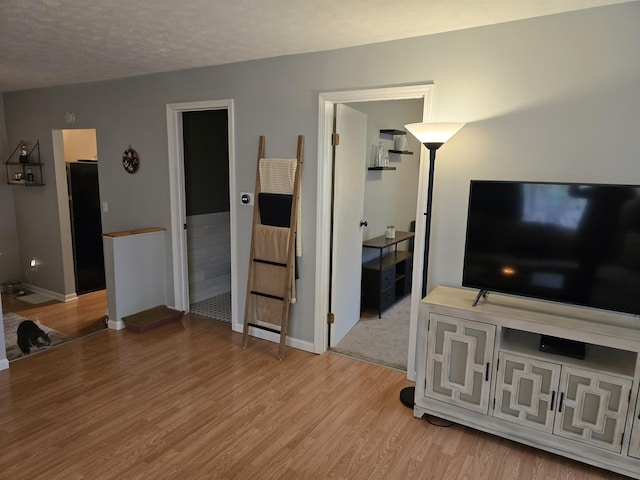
[275, 297]
[264, 328]
[268, 262]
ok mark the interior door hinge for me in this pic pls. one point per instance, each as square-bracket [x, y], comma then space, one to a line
[330, 318]
[335, 139]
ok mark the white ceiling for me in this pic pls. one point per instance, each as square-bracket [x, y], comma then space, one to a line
[58, 42]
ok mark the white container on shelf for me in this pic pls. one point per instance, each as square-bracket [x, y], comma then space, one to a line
[400, 142]
[390, 233]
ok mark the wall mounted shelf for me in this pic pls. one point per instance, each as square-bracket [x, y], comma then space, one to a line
[381, 168]
[392, 131]
[25, 169]
[401, 152]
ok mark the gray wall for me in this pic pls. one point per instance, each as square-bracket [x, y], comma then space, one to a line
[9, 265]
[551, 98]
[390, 196]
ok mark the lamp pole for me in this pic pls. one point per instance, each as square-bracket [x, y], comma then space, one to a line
[427, 234]
[432, 136]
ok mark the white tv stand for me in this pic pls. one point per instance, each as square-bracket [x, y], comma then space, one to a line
[481, 367]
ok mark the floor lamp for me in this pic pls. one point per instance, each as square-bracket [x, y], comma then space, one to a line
[432, 136]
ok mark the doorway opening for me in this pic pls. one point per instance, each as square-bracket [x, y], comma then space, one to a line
[380, 333]
[206, 185]
[324, 292]
[202, 222]
[81, 308]
[78, 193]
[82, 186]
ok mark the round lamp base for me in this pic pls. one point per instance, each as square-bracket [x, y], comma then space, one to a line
[407, 396]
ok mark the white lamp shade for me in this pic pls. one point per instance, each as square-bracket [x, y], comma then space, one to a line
[433, 132]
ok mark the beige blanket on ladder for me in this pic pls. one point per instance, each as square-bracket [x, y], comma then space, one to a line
[270, 244]
[277, 175]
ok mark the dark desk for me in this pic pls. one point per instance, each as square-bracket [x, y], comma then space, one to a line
[382, 242]
[386, 279]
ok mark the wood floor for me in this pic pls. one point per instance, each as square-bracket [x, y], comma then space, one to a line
[75, 318]
[185, 401]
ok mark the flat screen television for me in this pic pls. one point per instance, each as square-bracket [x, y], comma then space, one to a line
[566, 242]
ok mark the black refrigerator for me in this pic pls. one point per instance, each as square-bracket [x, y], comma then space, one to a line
[86, 225]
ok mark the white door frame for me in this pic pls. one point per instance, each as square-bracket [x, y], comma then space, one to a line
[178, 201]
[326, 101]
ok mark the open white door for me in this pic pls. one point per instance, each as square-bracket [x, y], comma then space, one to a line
[349, 175]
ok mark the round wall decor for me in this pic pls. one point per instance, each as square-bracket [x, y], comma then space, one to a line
[130, 160]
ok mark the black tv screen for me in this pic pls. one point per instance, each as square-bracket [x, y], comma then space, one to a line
[565, 242]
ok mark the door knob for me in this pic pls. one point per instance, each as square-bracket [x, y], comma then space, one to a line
[363, 223]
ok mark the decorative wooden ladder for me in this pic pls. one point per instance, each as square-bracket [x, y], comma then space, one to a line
[271, 279]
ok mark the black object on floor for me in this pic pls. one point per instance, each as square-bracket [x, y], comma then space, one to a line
[407, 396]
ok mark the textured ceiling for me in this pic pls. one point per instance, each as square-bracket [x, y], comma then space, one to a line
[57, 42]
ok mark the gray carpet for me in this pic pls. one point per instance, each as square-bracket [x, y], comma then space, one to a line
[11, 322]
[384, 341]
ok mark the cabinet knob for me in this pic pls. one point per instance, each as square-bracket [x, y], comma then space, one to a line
[363, 223]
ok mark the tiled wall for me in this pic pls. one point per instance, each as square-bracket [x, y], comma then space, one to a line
[209, 252]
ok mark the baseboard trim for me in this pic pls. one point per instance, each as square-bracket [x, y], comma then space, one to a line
[55, 295]
[4, 364]
[275, 338]
[115, 324]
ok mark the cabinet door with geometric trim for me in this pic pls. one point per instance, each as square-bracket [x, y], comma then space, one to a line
[592, 408]
[459, 355]
[526, 391]
[634, 445]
